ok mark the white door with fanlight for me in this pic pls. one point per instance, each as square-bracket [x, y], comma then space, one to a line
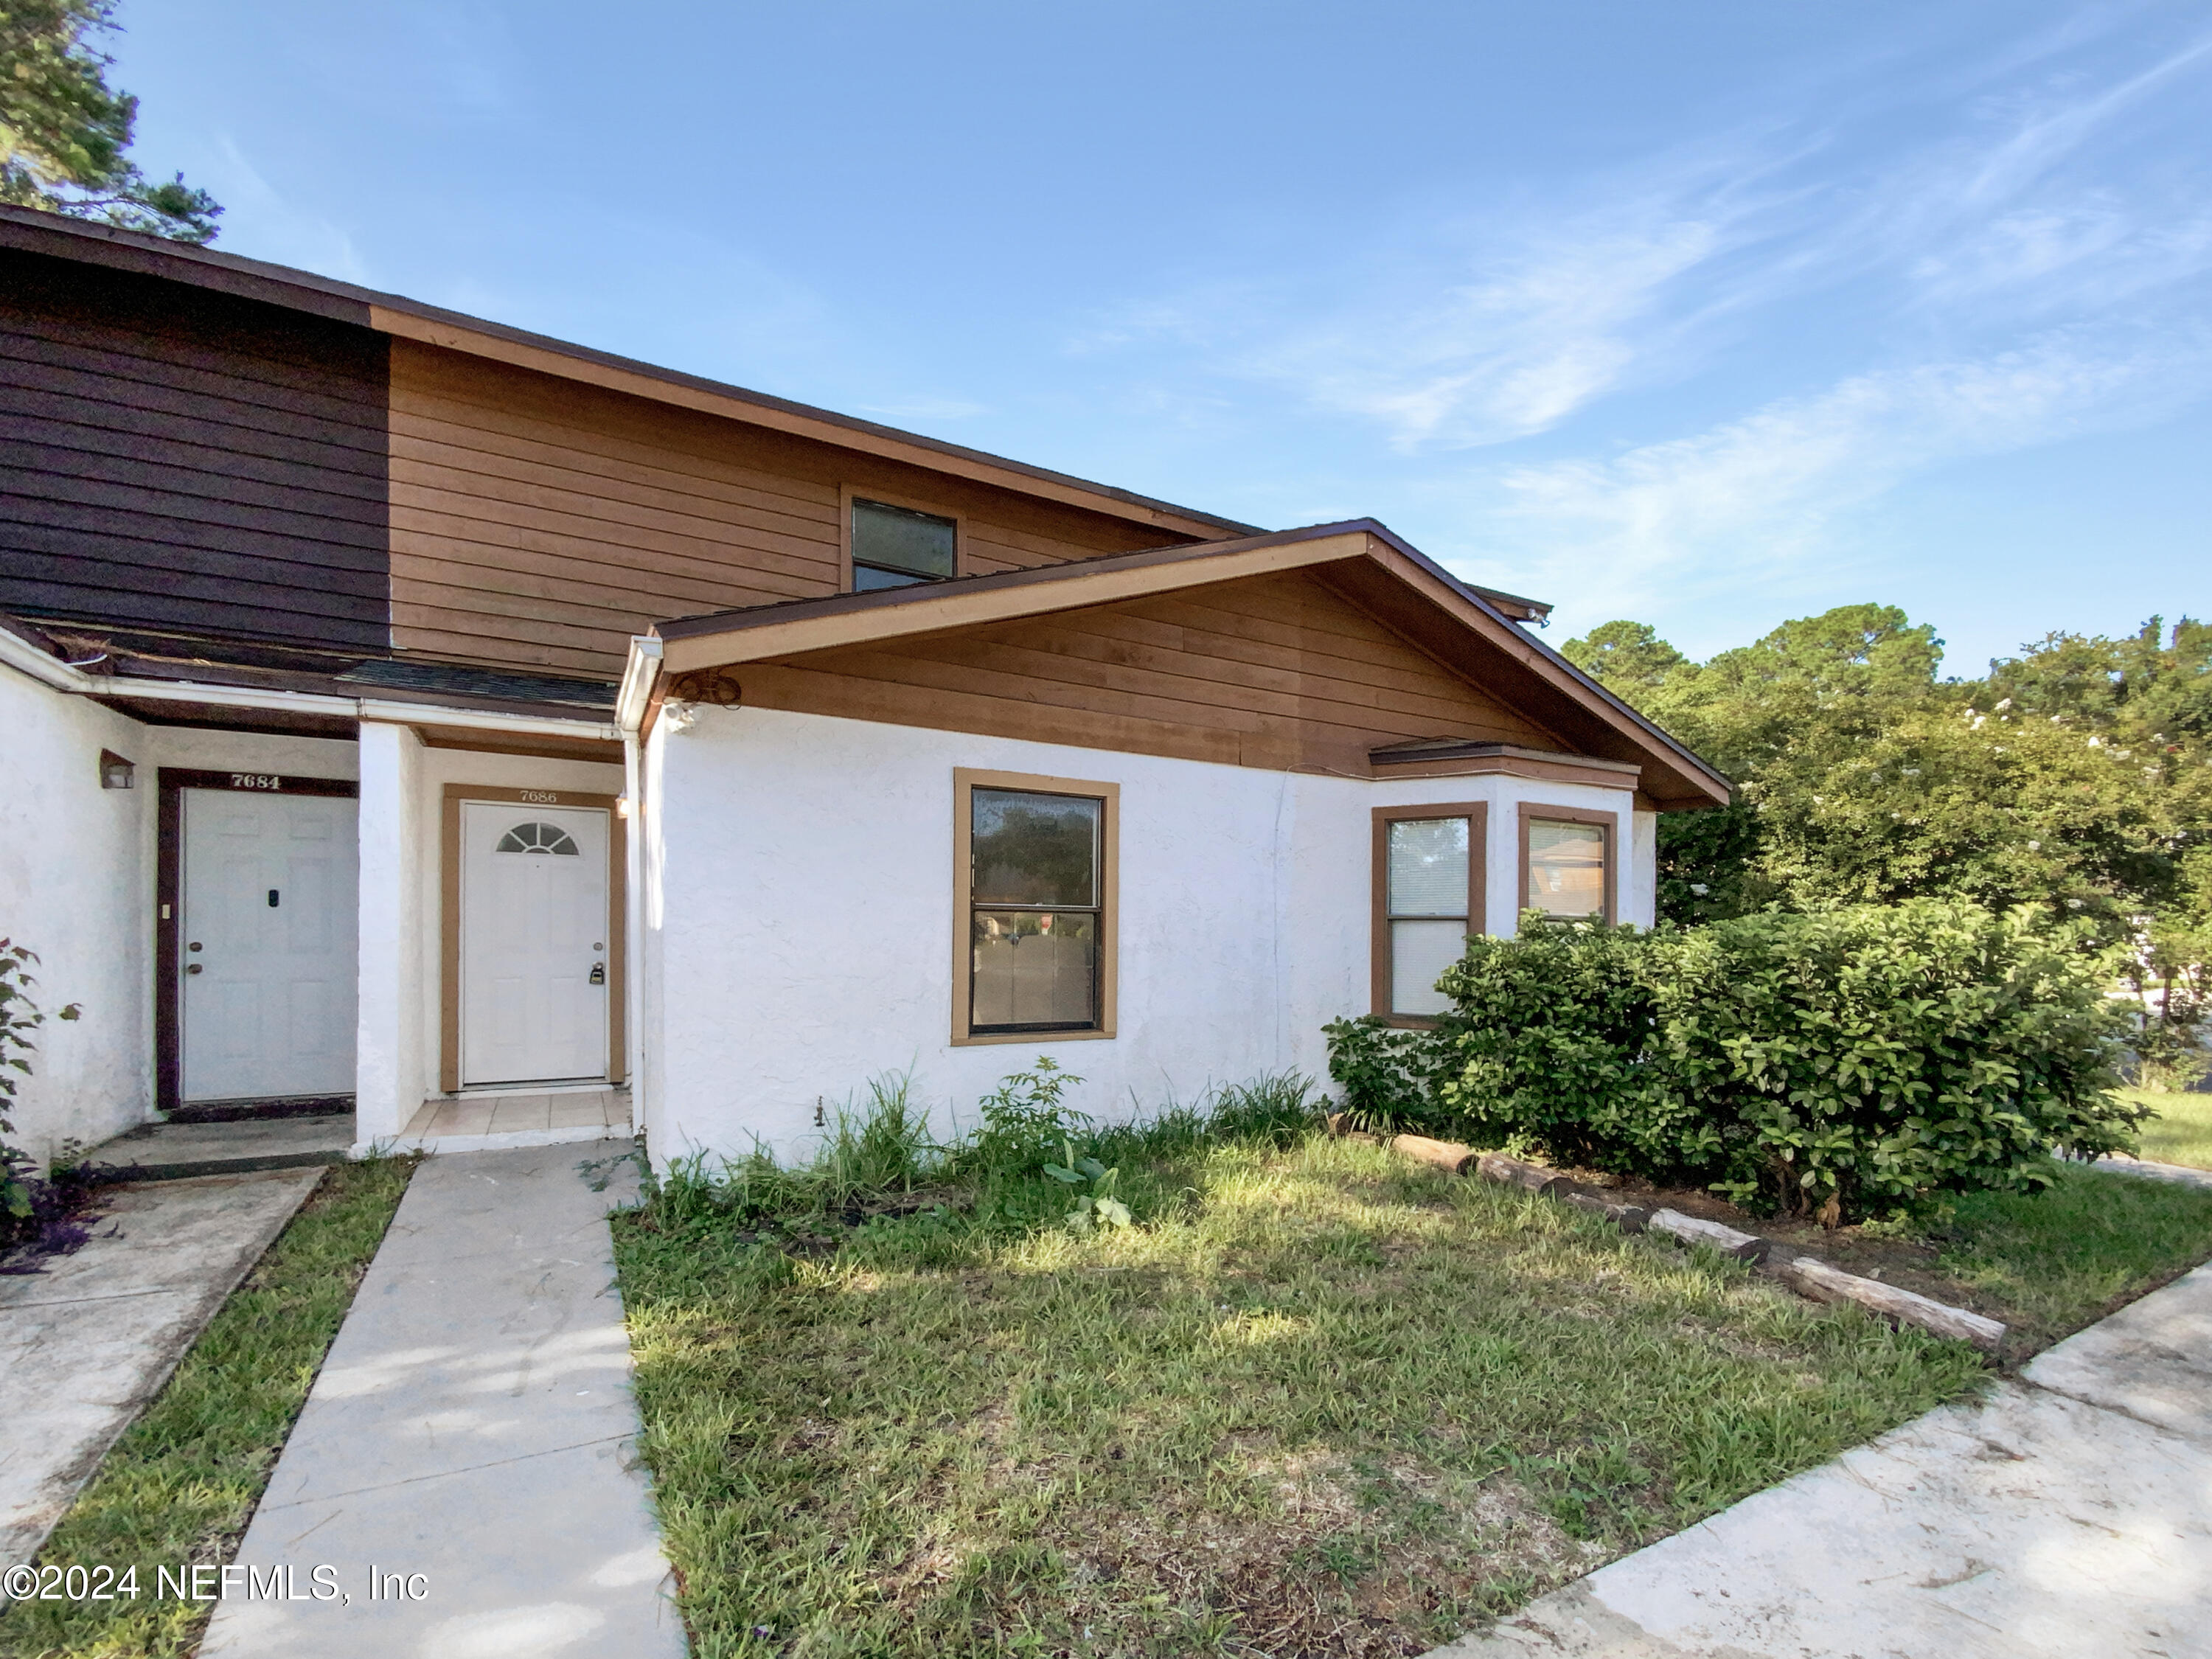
[268, 974]
[535, 929]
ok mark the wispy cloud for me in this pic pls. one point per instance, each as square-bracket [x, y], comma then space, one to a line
[1479, 332]
[283, 230]
[1757, 496]
[1982, 233]
[927, 409]
[1536, 335]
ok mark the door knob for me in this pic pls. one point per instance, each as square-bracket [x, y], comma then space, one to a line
[598, 973]
[192, 968]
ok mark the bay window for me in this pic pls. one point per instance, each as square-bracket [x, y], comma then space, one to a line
[1428, 900]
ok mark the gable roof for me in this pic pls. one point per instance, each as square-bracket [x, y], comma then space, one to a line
[30, 231]
[1360, 559]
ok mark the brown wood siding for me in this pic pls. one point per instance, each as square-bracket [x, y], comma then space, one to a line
[1278, 672]
[542, 522]
[172, 457]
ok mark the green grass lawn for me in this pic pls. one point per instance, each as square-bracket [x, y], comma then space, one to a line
[1320, 1401]
[2050, 1265]
[2182, 1131]
[181, 1484]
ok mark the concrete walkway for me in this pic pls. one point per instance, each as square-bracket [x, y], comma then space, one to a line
[85, 1344]
[463, 1467]
[2067, 1514]
[166, 1152]
[2180, 1174]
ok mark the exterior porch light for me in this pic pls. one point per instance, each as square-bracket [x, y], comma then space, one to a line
[115, 772]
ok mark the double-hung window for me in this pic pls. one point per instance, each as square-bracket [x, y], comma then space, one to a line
[1428, 900]
[1034, 875]
[1567, 866]
[897, 546]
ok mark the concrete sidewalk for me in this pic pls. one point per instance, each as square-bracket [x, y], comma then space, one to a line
[463, 1467]
[168, 1151]
[86, 1344]
[2180, 1173]
[2067, 1514]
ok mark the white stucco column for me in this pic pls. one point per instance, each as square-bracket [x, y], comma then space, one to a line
[388, 1051]
[1639, 890]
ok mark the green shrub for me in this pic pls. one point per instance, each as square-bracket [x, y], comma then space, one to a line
[1025, 1120]
[28, 1203]
[1849, 1062]
[1389, 1074]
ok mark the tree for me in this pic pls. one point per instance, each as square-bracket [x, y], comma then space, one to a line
[2076, 776]
[67, 133]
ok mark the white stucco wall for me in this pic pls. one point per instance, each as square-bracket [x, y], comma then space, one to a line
[799, 920]
[77, 885]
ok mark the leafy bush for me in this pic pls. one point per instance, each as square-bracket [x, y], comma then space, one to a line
[1390, 1074]
[32, 1206]
[1849, 1062]
[1025, 1122]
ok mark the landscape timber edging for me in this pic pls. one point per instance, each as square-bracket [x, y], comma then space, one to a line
[1808, 1276]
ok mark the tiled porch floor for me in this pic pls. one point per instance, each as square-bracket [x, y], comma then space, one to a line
[500, 1115]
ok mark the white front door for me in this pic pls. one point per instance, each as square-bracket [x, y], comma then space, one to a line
[534, 936]
[270, 910]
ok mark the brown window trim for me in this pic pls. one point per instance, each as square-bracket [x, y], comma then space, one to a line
[1477, 813]
[1608, 822]
[171, 781]
[449, 919]
[847, 493]
[965, 782]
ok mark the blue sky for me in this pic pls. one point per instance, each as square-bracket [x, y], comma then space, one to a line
[1706, 315]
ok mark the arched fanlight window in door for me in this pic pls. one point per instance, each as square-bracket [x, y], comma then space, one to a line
[537, 838]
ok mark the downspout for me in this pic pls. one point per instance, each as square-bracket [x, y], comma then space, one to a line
[632, 703]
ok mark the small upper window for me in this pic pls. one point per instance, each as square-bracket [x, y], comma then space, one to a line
[537, 838]
[1566, 866]
[896, 546]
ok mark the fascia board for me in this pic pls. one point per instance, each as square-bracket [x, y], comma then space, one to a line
[1555, 672]
[126, 688]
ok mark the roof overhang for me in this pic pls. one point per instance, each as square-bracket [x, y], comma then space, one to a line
[208, 693]
[1361, 560]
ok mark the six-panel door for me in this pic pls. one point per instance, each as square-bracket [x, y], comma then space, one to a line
[268, 971]
[534, 934]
